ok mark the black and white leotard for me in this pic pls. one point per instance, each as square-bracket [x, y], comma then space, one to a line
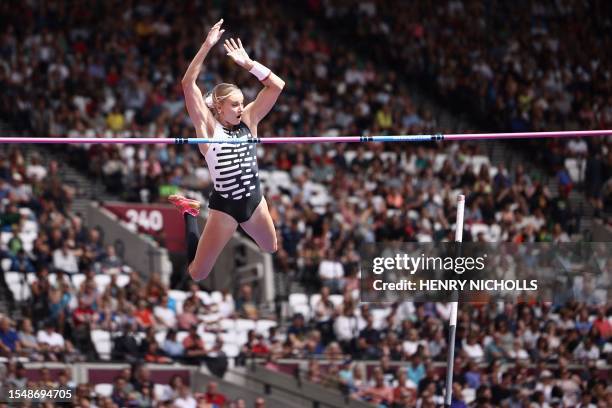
[234, 172]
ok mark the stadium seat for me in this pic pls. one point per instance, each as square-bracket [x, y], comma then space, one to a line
[228, 324]
[379, 316]
[180, 336]
[77, 279]
[102, 281]
[302, 309]
[6, 264]
[160, 336]
[231, 350]
[177, 294]
[264, 325]
[52, 279]
[31, 278]
[573, 168]
[102, 342]
[216, 296]
[314, 299]
[480, 228]
[439, 161]
[179, 306]
[298, 299]
[337, 300]
[244, 325]
[5, 237]
[105, 390]
[469, 395]
[123, 280]
[209, 339]
[478, 161]
[12, 277]
[14, 280]
[205, 297]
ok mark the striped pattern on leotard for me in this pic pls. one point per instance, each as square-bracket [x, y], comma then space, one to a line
[233, 167]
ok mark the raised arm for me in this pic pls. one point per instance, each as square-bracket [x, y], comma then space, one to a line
[202, 118]
[273, 85]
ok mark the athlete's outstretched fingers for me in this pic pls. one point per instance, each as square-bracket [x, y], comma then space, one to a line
[261, 228]
[218, 230]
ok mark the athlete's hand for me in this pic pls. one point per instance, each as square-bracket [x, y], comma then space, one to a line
[214, 34]
[237, 52]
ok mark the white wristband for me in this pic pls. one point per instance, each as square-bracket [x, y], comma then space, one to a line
[260, 71]
[209, 100]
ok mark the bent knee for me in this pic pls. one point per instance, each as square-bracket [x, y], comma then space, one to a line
[270, 247]
[199, 273]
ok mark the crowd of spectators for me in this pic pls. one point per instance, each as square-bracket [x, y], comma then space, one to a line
[112, 69]
[506, 354]
[520, 66]
[132, 387]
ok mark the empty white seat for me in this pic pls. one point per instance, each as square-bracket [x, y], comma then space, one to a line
[227, 324]
[298, 299]
[12, 277]
[20, 292]
[6, 264]
[337, 300]
[102, 281]
[160, 336]
[205, 297]
[480, 228]
[264, 325]
[104, 390]
[314, 300]
[479, 161]
[216, 297]
[245, 325]
[231, 350]
[102, 342]
[304, 310]
[179, 306]
[349, 155]
[209, 339]
[123, 280]
[5, 237]
[31, 278]
[180, 336]
[573, 169]
[379, 316]
[439, 162]
[77, 279]
[177, 294]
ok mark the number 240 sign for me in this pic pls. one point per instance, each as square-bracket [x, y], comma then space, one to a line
[146, 219]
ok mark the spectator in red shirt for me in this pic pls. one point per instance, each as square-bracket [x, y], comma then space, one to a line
[602, 324]
[143, 315]
[194, 345]
[213, 396]
[83, 314]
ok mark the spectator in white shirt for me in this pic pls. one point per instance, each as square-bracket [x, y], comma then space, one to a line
[65, 259]
[346, 326]
[473, 349]
[52, 344]
[185, 399]
[34, 170]
[164, 313]
[331, 272]
[587, 351]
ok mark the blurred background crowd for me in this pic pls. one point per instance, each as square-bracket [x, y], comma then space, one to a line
[352, 68]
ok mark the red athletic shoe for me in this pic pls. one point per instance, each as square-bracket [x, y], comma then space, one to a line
[185, 205]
